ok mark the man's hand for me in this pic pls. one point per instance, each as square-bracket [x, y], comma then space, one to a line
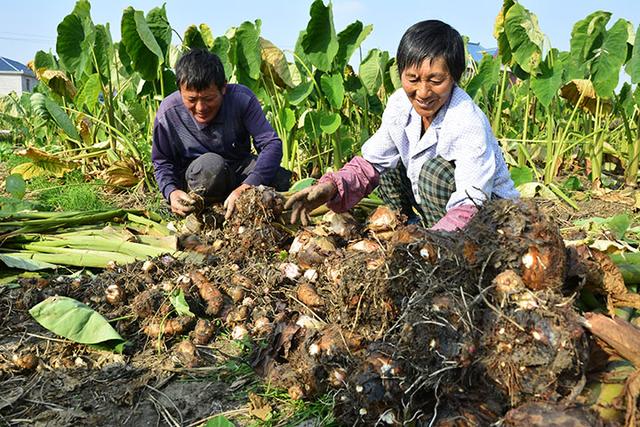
[230, 203]
[305, 201]
[181, 203]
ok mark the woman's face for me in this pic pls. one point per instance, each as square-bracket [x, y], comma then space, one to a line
[428, 86]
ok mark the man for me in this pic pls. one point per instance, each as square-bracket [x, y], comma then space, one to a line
[201, 138]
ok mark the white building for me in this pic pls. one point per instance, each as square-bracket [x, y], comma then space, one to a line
[15, 77]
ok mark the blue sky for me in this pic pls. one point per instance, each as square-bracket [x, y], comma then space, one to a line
[30, 25]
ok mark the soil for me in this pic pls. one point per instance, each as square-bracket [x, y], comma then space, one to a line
[400, 324]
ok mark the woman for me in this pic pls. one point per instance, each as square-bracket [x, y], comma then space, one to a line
[434, 153]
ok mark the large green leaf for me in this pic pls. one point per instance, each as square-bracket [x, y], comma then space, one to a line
[500, 34]
[609, 58]
[89, 92]
[44, 60]
[74, 43]
[142, 47]
[487, 76]
[207, 35]
[249, 58]
[193, 38]
[160, 28]
[372, 70]
[329, 122]
[333, 88]
[349, 40]
[546, 84]
[633, 68]
[221, 47]
[48, 108]
[74, 320]
[319, 42]
[525, 38]
[104, 52]
[312, 125]
[587, 34]
[298, 94]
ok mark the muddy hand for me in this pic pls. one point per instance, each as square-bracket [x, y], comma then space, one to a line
[181, 203]
[230, 203]
[305, 201]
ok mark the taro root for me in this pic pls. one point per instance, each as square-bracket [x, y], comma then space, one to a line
[343, 225]
[114, 294]
[383, 219]
[208, 292]
[187, 354]
[203, 332]
[364, 245]
[149, 303]
[308, 295]
[310, 249]
[169, 327]
[521, 238]
[26, 362]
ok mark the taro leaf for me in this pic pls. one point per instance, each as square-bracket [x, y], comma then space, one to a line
[521, 175]
[15, 185]
[302, 184]
[633, 68]
[394, 74]
[500, 34]
[219, 421]
[333, 89]
[349, 40]
[618, 225]
[25, 263]
[103, 51]
[319, 42]
[487, 77]
[74, 320]
[75, 43]
[59, 83]
[44, 60]
[525, 38]
[312, 125]
[48, 109]
[222, 48]
[41, 163]
[528, 190]
[586, 35]
[179, 303]
[124, 58]
[298, 94]
[605, 67]
[274, 64]
[89, 93]
[288, 118]
[572, 184]
[625, 102]
[329, 122]
[372, 70]
[193, 38]
[142, 48]
[248, 58]
[546, 84]
[160, 28]
[207, 35]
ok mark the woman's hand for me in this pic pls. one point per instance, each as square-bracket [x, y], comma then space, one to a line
[305, 201]
[181, 203]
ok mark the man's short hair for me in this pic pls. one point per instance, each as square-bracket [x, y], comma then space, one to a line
[432, 39]
[198, 68]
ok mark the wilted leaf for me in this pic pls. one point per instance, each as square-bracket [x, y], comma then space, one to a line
[74, 320]
[274, 64]
[59, 83]
[41, 164]
[120, 174]
[24, 263]
[582, 91]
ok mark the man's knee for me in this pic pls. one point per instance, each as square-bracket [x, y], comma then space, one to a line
[209, 176]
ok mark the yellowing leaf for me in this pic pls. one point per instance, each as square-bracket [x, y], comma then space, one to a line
[41, 164]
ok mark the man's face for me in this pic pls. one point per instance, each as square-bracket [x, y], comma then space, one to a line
[204, 104]
[428, 87]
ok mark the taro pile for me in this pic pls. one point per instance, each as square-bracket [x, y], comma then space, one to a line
[401, 324]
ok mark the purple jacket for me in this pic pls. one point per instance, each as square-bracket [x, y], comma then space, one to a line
[178, 139]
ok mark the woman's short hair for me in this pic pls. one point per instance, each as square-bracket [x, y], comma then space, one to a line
[430, 40]
[198, 68]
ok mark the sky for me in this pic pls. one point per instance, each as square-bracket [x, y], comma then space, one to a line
[30, 25]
